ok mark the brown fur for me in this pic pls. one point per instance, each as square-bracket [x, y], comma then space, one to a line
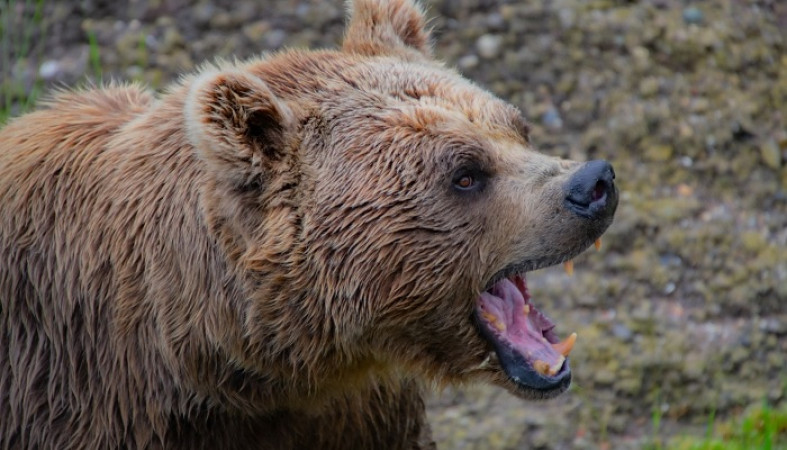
[269, 255]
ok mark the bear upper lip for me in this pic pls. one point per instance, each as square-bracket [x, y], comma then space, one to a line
[527, 347]
[521, 268]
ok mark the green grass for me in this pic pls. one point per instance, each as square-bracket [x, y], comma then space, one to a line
[94, 55]
[19, 21]
[760, 428]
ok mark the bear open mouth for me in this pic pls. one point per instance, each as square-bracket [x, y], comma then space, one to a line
[523, 338]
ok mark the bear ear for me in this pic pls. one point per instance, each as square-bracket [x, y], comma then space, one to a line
[237, 126]
[384, 27]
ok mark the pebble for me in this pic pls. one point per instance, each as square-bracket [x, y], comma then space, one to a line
[771, 154]
[468, 62]
[275, 38]
[692, 15]
[256, 30]
[552, 119]
[649, 87]
[605, 377]
[495, 22]
[774, 325]
[203, 13]
[49, 70]
[659, 152]
[489, 45]
[622, 332]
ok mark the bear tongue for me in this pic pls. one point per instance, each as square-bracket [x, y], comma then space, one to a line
[508, 315]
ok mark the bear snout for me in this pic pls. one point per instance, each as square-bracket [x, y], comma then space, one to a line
[591, 192]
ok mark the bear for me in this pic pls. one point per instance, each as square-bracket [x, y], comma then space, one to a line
[284, 252]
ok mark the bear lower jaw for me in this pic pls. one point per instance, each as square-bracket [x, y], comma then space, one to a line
[524, 345]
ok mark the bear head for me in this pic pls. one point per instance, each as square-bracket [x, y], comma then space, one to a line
[383, 211]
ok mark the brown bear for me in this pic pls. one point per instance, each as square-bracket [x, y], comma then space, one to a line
[279, 253]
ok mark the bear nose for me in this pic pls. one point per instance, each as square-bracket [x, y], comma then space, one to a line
[591, 192]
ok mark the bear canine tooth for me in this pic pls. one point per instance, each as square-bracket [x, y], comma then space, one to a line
[569, 267]
[485, 364]
[526, 310]
[598, 244]
[565, 347]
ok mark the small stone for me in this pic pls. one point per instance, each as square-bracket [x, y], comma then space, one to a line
[649, 87]
[773, 325]
[49, 70]
[275, 38]
[605, 377]
[221, 20]
[630, 385]
[641, 55]
[771, 154]
[753, 241]
[567, 17]
[700, 105]
[468, 62]
[134, 72]
[203, 13]
[551, 118]
[622, 332]
[256, 30]
[659, 152]
[495, 22]
[684, 190]
[489, 45]
[172, 40]
[692, 15]
[587, 300]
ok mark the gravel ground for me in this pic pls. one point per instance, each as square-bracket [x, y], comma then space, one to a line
[683, 312]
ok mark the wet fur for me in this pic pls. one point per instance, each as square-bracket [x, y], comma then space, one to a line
[251, 261]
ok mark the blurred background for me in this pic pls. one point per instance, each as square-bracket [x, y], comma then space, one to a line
[682, 314]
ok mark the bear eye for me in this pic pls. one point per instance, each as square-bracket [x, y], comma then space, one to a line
[468, 180]
[465, 182]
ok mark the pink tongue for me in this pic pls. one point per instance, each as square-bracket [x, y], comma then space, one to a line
[518, 323]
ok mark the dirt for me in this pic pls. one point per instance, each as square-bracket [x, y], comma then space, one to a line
[682, 314]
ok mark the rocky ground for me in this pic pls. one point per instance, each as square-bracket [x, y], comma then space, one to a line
[683, 312]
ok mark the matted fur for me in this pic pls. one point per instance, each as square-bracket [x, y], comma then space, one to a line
[268, 255]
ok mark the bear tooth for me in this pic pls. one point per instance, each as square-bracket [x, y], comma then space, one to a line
[541, 367]
[553, 370]
[598, 244]
[485, 364]
[526, 310]
[565, 347]
[494, 320]
[569, 267]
